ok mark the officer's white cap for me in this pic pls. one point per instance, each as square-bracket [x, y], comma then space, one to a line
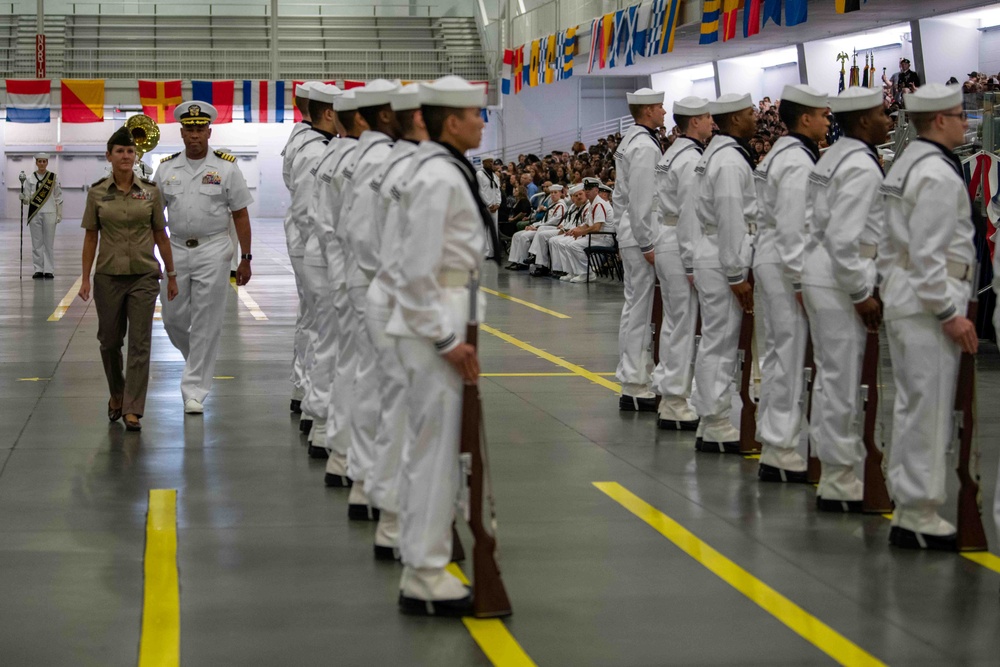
[576, 188]
[555, 188]
[304, 89]
[41, 156]
[324, 92]
[605, 188]
[644, 96]
[691, 106]
[484, 158]
[406, 98]
[454, 92]
[195, 112]
[933, 97]
[346, 101]
[730, 103]
[806, 96]
[591, 182]
[856, 98]
[375, 93]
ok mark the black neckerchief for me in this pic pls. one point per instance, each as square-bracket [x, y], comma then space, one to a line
[810, 145]
[953, 160]
[700, 146]
[652, 133]
[489, 175]
[749, 154]
[412, 141]
[326, 135]
[874, 153]
[469, 173]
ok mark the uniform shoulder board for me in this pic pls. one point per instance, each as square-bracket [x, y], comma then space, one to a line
[225, 156]
[98, 181]
[146, 181]
[169, 157]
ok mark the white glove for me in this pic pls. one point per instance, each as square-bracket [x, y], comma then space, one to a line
[58, 214]
[25, 199]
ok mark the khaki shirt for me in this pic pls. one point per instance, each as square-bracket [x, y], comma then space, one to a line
[126, 221]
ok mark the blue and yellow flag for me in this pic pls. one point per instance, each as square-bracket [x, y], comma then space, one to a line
[710, 22]
[535, 63]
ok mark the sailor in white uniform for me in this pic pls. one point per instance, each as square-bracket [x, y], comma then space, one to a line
[205, 193]
[638, 234]
[42, 194]
[675, 181]
[444, 224]
[489, 190]
[782, 180]
[726, 206]
[928, 258]
[521, 242]
[569, 250]
[575, 216]
[838, 281]
[382, 481]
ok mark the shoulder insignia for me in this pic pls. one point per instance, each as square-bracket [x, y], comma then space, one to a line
[225, 156]
[169, 157]
[147, 181]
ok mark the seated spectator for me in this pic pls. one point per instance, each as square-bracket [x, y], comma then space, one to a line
[521, 241]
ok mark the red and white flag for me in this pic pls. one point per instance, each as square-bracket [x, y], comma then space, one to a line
[263, 101]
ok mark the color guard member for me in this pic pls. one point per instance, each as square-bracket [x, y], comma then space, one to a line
[43, 196]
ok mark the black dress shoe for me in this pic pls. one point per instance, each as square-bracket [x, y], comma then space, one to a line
[386, 553]
[49, 276]
[540, 271]
[295, 406]
[709, 447]
[909, 539]
[362, 513]
[337, 481]
[37, 275]
[677, 425]
[114, 414]
[768, 473]
[318, 452]
[635, 404]
[449, 608]
[839, 506]
[305, 425]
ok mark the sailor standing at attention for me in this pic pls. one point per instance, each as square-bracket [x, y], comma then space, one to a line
[929, 261]
[782, 180]
[444, 222]
[838, 282]
[43, 195]
[204, 192]
[726, 206]
[675, 182]
[638, 234]
[489, 190]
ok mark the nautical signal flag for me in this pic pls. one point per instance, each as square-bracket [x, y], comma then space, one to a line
[263, 101]
[535, 63]
[845, 6]
[662, 24]
[82, 100]
[569, 49]
[519, 70]
[729, 9]
[796, 12]
[772, 11]
[158, 99]
[711, 13]
[219, 94]
[508, 63]
[751, 17]
[29, 100]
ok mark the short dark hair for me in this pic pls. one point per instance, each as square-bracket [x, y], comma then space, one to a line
[682, 122]
[435, 117]
[370, 114]
[302, 104]
[317, 109]
[791, 113]
[348, 119]
[922, 120]
[850, 121]
[724, 120]
[406, 120]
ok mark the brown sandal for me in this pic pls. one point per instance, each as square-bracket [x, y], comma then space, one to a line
[114, 414]
[132, 423]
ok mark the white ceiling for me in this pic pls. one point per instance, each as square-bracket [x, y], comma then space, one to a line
[824, 22]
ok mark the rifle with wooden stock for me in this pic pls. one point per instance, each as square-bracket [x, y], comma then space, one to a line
[744, 357]
[656, 321]
[971, 536]
[813, 470]
[876, 498]
[489, 597]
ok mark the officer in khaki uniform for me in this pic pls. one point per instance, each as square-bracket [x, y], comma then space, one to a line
[204, 193]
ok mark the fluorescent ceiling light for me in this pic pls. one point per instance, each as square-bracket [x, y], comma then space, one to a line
[769, 58]
[870, 40]
[984, 17]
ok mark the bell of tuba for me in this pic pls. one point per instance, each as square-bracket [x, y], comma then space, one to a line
[145, 133]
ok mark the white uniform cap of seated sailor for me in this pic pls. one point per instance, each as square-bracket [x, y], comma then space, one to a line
[644, 96]
[856, 98]
[806, 96]
[555, 188]
[691, 106]
[576, 188]
[325, 92]
[454, 92]
[375, 93]
[305, 88]
[406, 98]
[933, 97]
[41, 156]
[730, 103]
[346, 101]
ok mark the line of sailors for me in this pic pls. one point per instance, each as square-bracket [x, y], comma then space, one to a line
[385, 228]
[820, 234]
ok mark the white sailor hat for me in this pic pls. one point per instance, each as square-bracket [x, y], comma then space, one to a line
[591, 182]
[41, 156]
[730, 103]
[555, 188]
[303, 89]
[576, 188]
[605, 188]
[644, 96]
[346, 101]
[375, 93]
[324, 92]
[406, 98]
[195, 112]
[933, 97]
[806, 96]
[691, 106]
[856, 98]
[454, 92]
[484, 158]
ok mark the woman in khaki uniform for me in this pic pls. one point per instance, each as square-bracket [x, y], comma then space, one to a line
[125, 213]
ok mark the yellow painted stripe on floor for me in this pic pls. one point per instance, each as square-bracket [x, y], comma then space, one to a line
[160, 642]
[249, 302]
[533, 306]
[558, 361]
[493, 636]
[807, 626]
[535, 375]
[984, 558]
[67, 300]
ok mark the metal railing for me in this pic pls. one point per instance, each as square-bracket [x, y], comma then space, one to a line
[164, 63]
[221, 8]
[383, 63]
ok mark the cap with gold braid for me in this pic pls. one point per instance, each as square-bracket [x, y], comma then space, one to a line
[195, 112]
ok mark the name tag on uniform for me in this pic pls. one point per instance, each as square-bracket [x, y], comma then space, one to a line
[108, 198]
[211, 178]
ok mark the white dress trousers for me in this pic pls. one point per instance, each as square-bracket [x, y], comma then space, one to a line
[519, 244]
[540, 245]
[673, 375]
[715, 366]
[43, 241]
[635, 362]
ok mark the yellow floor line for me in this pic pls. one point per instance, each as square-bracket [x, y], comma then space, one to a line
[984, 558]
[558, 361]
[249, 302]
[535, 375]
[67, 300]
[533, 306]
[807, 626]
[160, 642]
[493, 636]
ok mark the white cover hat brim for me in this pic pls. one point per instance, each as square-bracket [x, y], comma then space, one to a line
[347, 101]
[41, 156]
[806, 96]
[304, 89]
[454, 92]
[324, 92]
[576, 188]
[933, 97]
[406, 98]
[691, 106]
[375, 93]
[644, 96]
[730, 103]
[856, 99]
[556, 188]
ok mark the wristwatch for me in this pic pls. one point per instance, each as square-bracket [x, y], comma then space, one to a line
[247, 256]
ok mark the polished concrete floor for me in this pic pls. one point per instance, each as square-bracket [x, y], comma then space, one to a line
[272, 573]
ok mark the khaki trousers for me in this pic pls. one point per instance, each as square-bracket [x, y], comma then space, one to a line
[126, 303]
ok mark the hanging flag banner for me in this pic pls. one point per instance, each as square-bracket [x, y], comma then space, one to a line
[662, 24]
[596, 30]
[550, 43]
[82, 100]
[846, 6]
[711, 13]
[796, 12]
[518, 69]
[751, 17]
[39, 56]
[729, 9]
[158, 99]
[535, 63]
[263, 101]
[508, 62]
[772, 11]
[220, 94]
[29, 100]
[568, 50]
